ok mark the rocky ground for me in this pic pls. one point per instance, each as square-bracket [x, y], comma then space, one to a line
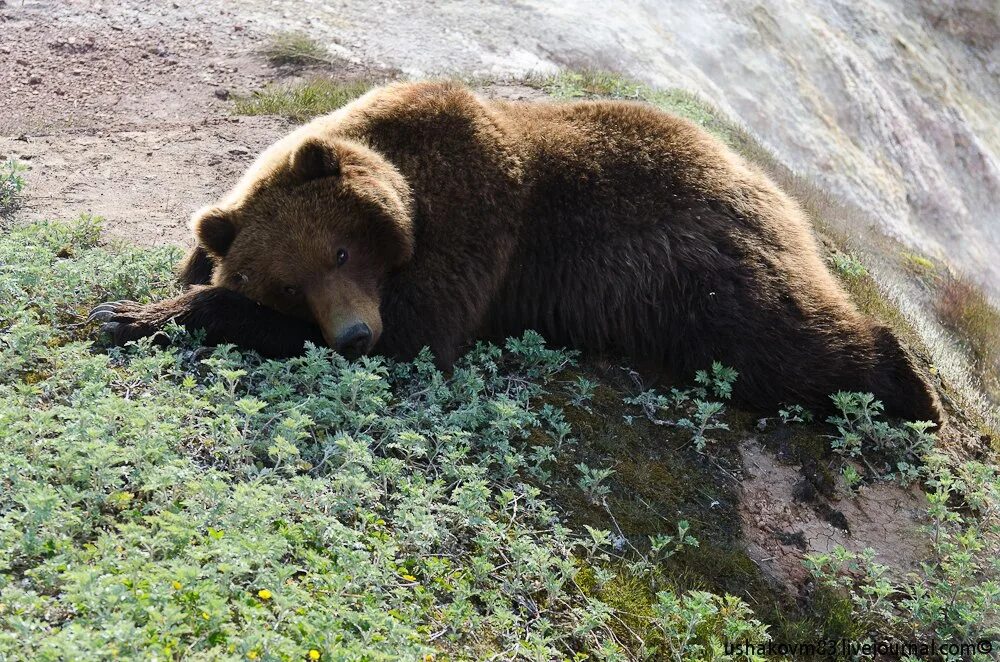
[125, 114]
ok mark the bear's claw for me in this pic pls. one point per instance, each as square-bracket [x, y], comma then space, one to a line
[122, 321]
[100, 315]
[106, 311]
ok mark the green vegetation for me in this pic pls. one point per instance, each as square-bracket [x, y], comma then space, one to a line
[964, 309]
[886, 450]
[698, 414]
[11, 185]
[954, 597]
[295, 48]
[301, 101]
[848, 266]
[158, 503]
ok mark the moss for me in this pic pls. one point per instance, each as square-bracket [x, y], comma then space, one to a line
[839, 620]
[34, 377]
[301, 101]
[632, 599]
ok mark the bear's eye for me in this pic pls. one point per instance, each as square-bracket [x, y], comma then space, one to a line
[341, 257]
[291, 290]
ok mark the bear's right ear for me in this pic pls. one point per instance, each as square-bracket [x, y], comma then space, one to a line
[214, 229]
[315, 159]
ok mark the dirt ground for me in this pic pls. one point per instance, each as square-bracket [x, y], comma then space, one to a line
[780, 528]
[123, 111]
[127, 117]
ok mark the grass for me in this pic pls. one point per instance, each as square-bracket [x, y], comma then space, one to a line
[295, 48]
[966, 312]
[964, 309]
[301, 101]
[164, 504]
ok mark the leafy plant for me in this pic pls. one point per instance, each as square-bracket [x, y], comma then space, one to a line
[795, 414]
[698, 625]
[703, 419]
[583, 393]
[11, 185]
[696, 412]
[848, 265]
[718, 381]
[592, 482]
[882, 447]
[662, 547]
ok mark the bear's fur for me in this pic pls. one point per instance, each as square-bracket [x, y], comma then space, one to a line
[609, 227]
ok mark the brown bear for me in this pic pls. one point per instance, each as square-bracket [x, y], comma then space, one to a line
[424, 215]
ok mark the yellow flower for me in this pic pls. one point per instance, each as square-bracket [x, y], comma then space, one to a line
[205, 615]
[176, 584]
[429, 657]
[409, 578]
[313, 654]
[264, 594]
[253, 655]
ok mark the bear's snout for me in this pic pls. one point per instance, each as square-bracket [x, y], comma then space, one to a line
[353, 341]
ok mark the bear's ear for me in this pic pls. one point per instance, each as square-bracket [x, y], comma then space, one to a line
[214, 229]
[315, 159]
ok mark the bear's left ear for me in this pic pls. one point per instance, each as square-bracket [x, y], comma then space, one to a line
[315, 159]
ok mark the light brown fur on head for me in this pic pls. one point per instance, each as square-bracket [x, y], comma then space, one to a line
[313, 231]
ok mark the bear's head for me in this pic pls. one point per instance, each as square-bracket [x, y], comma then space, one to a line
[313, 230]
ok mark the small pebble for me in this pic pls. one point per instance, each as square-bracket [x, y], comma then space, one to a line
[222, 93]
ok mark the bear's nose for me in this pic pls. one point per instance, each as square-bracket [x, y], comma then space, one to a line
[353, 341]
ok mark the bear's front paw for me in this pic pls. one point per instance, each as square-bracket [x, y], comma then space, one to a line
[123, 321]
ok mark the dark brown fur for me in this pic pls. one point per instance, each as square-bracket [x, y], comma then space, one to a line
[608, 227]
